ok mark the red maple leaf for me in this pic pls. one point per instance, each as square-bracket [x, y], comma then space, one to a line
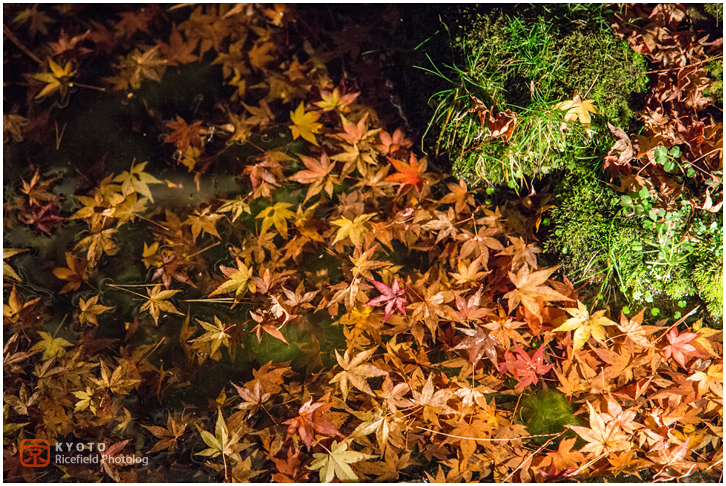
[409, 175]
[390, 297]
[524, 368]
[311, 420]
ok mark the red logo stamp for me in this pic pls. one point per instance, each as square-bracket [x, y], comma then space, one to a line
[34, 452]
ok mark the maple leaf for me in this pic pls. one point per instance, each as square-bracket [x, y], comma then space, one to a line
[289, 470]
[459, 195]
[578, 110]
[305, 124]
[521, 252]
[158, 302]
[145, 65]
[185, 135]
[432, 401]
[168, 435]
[239, 281]
[216, 334]
[393, 395]
[109, 457]
[118, 381]
[177, 51]
[585, 325]
[353, 229]
[356, 372]
[678, 346]
[252, 399]
[468, 273]
[601, 437]
[7, 269]
[409, 175]
[336, 101]
[90, 309]
[38, 20]
[15, 306]
[58, 79]
[170, 269]
[444, 224]
[75, 274]
[635, 333]
[277, 215]
[318, 175]
[98, 244]
[203, 221]
[392, 143]
[259, 54]
[51, 346]
[220, 443]
[136, 180]
[391, 297]
[710, 379]
[478, 344]
[530, 291]
[470, 310]
[236, 206]
[336, 462]
[311, 420]
[524, 368]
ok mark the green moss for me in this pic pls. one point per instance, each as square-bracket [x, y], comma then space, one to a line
[526, 63]
[715, 72]
[547, 412]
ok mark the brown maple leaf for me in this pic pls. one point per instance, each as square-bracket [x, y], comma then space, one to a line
[529, 290]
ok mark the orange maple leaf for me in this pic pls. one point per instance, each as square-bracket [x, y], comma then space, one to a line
[409, 175]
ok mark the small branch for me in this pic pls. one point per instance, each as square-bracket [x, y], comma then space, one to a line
[684, 67]
[9, 34]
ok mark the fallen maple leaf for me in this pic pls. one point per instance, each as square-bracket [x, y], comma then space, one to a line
[601, 437]
[585, 325]
[240, 281]
[335, 463]
[305, 124]
[578, 110]
[530, 291]
[390, 297]
[679, 347]
[158, 302]
[311, 420]
[356, 372]
[409, 175]
[523, 368]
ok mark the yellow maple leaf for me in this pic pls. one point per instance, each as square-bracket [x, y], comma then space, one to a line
[355, 372]
[353, 229]
[335, 463]
[158, 302]
[305, 125]
[585, 325]
[58, 79]
[578, 110]
[277, 215]
[90, 309]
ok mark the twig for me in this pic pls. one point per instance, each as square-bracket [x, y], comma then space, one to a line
[9, 34]
[684, 67]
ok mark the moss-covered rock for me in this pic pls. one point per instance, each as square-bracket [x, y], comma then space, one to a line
[546, 413]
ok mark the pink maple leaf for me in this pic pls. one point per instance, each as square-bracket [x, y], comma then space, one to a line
[390, 297]
[679, 347]
[524, 368]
